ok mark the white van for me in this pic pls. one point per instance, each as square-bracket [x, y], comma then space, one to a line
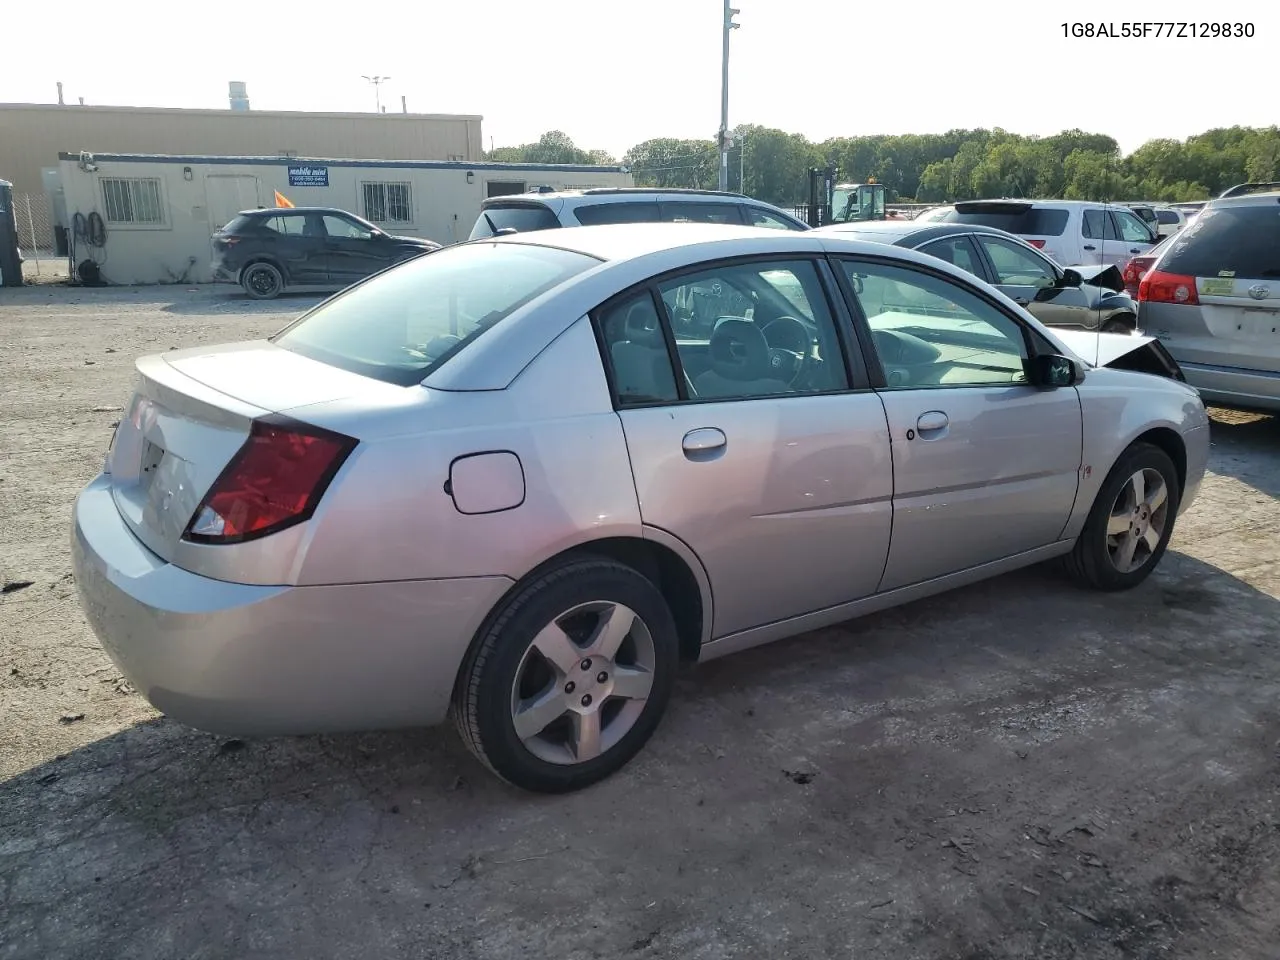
[1072, 232]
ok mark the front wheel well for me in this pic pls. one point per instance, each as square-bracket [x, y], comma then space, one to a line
[1170, 441]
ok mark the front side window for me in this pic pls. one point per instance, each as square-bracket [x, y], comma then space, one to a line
[1016, 266]
[344, 229]
[405, 323]
[1132, 230]
[754, 330]
[931, 332]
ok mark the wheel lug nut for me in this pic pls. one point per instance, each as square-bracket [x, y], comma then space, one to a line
[570, 687]
[602, 677]
[586, 699]
[586, 664]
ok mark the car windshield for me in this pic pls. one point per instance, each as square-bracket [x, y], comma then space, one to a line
[402, 324]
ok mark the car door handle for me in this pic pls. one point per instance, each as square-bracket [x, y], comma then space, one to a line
[1135, 249]
[704, 443]
[1090, 246]
[932, 425]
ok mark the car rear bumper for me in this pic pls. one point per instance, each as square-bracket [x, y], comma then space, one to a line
[257, 660]
[1234, 386]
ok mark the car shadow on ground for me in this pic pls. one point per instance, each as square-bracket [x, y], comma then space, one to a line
[807, 779]
[1247, 446]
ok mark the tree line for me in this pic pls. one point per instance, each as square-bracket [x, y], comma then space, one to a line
[772, 165]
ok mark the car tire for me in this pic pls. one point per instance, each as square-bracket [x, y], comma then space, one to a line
[262, 281]
[1118, 521]
[519, 673]
[1120, 324]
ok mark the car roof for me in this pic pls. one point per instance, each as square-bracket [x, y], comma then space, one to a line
[276, 211]
[631, 254]
[624, 194]
[1245, 200]
[627, 241]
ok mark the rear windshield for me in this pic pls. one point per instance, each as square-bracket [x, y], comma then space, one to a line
[403, 324]
[519, 217]
[242, 224]
[1027, 221]
[1241, 242]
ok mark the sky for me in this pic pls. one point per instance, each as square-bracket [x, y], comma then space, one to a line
[613, 74]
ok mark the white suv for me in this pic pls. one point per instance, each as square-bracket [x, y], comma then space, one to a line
[1072, 232]
[578, 208]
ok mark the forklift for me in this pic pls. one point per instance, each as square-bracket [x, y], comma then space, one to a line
[830, 202]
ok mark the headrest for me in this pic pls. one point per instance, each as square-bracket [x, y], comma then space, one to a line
[642, 324]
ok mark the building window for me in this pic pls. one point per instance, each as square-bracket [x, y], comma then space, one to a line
[388, 202]
[132, 200]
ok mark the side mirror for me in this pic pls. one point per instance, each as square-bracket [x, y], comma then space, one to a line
[1071, 278]
[1050, 370]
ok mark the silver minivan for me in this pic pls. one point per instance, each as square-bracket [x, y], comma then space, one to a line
[1213, 298]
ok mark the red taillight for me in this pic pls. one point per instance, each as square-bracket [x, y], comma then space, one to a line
[1134, 271]
[274, 481]
[1038, 244]
[1160, 287]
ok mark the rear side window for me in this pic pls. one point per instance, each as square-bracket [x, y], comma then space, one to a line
[598, 213]
[1011, 218]
[1166, 216]
[701, 213]
[407, 322]
[1228, 241]
[519, 217]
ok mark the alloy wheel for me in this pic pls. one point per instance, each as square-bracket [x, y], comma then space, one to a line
[1137, 521]
[583, 682]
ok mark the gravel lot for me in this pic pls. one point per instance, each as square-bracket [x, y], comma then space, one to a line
[1019, 769]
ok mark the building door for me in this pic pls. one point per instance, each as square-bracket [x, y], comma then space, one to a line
[228, 194]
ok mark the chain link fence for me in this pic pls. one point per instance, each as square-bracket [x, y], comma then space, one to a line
[36, 240]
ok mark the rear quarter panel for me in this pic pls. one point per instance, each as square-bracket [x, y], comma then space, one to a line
[1117, 408]
[391, 518]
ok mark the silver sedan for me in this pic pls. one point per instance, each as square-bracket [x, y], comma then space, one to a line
[516, 481]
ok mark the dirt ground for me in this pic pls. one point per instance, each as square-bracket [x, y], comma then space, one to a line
[1019, 769]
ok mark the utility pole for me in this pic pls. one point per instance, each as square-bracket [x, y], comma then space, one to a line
[377, 90]
[723, 137]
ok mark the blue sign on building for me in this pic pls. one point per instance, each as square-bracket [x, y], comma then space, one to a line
[308, 176]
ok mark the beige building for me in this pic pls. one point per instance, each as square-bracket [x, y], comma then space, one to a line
[157, 212]
[32, 135]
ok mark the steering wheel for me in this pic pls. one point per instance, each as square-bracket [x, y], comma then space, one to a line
[790, 353]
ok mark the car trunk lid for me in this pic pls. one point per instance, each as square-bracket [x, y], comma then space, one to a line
[190, 414]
